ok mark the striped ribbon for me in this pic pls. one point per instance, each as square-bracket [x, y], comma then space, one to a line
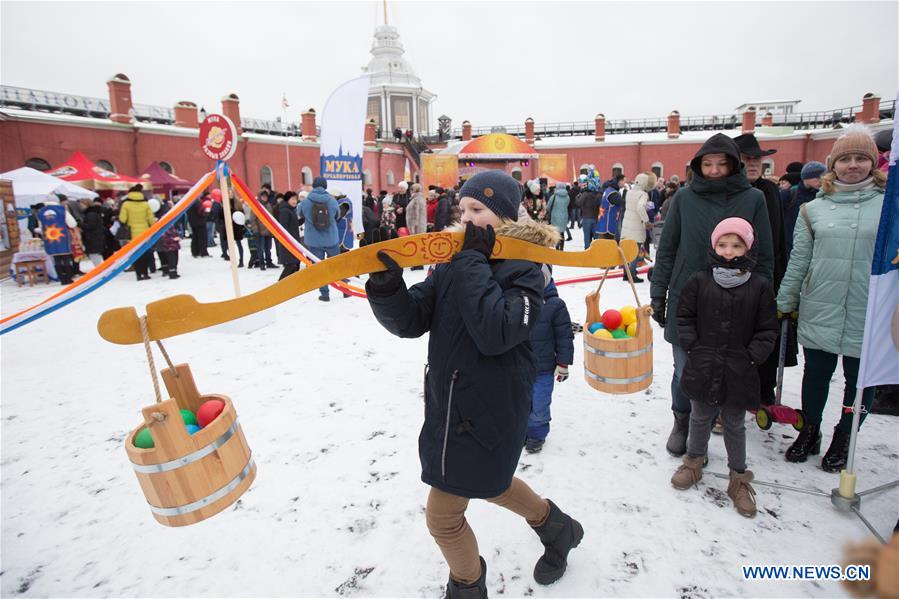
[110, 267]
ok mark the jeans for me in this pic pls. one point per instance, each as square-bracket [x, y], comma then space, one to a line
[819, 368]
[210, 234]
[265, 250]
[320, 253]
[538, 420]
[732, 419]
[587, 225]
[679, 401]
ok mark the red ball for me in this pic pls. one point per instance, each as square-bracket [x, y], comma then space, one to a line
[209, 411]
[402, 232]
[216, 195]
[611, 319]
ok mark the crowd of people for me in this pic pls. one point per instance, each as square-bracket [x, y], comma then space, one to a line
[742, 259]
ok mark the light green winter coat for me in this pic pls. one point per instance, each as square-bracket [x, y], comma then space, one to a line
[829, 270]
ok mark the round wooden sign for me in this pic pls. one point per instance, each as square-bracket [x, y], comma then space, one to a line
[218, 137]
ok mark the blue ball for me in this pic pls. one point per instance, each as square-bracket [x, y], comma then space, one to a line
[192, 428]
[595, 327]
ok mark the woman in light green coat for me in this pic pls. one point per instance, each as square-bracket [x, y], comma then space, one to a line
[827, 282]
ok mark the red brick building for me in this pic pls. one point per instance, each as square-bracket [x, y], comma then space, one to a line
[43, 129]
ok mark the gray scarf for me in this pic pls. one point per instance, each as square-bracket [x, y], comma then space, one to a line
[730, 277]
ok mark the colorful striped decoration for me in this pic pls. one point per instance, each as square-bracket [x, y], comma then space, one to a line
[110, 267]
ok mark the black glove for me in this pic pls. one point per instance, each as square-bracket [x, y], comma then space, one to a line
[479, 240]
[658, 310]
[385, 282]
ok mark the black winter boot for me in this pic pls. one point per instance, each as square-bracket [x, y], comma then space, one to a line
[677, 440]
[808, 442]
[475, 590]
[559, 534]
[838, 452]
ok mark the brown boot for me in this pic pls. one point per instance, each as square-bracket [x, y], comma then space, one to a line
[742, 493]
[688, 474]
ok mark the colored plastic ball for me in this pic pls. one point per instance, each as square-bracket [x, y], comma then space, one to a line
[188, 417]
[628, 315]
[612, 319]
[209, 411]
[595, 326]
[619, 334]
[143, 439]
[631, 329]
[192, 428]
[603, 334]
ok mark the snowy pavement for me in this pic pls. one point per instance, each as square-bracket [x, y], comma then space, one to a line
[330, 404]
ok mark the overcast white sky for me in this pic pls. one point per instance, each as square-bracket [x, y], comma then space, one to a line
[488, 62]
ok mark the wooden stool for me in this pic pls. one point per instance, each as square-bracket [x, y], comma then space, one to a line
[33, 269]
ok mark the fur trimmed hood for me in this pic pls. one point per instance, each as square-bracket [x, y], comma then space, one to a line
[527, 230]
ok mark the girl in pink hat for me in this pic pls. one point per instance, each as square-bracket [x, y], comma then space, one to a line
[727, 325]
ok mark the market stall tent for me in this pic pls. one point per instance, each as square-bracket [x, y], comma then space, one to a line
[31, 186]
[78, 169]
[164, 181]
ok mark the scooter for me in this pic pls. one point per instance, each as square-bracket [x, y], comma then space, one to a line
[765, 416]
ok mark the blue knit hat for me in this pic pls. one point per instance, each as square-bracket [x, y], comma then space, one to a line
[496, 190]
[812, 170]
[320, 182]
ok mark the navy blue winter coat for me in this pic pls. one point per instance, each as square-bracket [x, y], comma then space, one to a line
[552, 337]
[481, 367]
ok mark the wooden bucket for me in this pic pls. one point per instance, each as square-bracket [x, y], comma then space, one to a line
[618, 365]
[188, 478]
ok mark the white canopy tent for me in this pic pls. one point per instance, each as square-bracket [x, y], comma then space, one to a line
[31, 186]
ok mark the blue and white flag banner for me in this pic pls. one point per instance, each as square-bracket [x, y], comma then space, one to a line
[343, 131]
[880, 347]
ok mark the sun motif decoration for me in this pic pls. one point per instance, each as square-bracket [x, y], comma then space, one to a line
[53, 233]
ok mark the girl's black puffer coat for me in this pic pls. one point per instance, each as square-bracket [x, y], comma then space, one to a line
[727, 333]
[481, 366]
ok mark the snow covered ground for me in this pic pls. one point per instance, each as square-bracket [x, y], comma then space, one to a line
[331, 407]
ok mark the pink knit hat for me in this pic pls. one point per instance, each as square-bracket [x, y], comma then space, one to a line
[736, 226]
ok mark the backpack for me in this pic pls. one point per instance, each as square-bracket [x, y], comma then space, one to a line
[321, 216]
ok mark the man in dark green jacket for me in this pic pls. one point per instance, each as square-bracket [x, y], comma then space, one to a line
[719, 189]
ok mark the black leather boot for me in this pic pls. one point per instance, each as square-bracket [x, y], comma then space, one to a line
[559, 534]
[838, 452]
[475, 590]
[808, 442]
[677, 440]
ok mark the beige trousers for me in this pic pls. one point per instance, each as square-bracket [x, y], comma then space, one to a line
[445, 515]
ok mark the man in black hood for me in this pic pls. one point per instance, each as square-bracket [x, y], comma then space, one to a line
[751, 154]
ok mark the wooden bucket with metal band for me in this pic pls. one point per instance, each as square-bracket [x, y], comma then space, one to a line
[618, 365]
[188, 478]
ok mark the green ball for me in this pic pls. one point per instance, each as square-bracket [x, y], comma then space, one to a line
[143, 439]
[188, 417]
[619, 334]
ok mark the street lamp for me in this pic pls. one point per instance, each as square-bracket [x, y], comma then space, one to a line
[202, 114]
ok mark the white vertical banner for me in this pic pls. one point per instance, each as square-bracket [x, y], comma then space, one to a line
[343, 131]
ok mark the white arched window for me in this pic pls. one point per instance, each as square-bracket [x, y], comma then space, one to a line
[265, 176]
[516, 173]
[106, 165]
[584, 170]
[658, 168]
[166, 167]
[366, 177]
[767, 166]
[617, 169]
[389, 177]
[307, 175]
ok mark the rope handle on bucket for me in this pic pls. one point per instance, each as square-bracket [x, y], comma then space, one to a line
[157, 416]
[630, 278]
